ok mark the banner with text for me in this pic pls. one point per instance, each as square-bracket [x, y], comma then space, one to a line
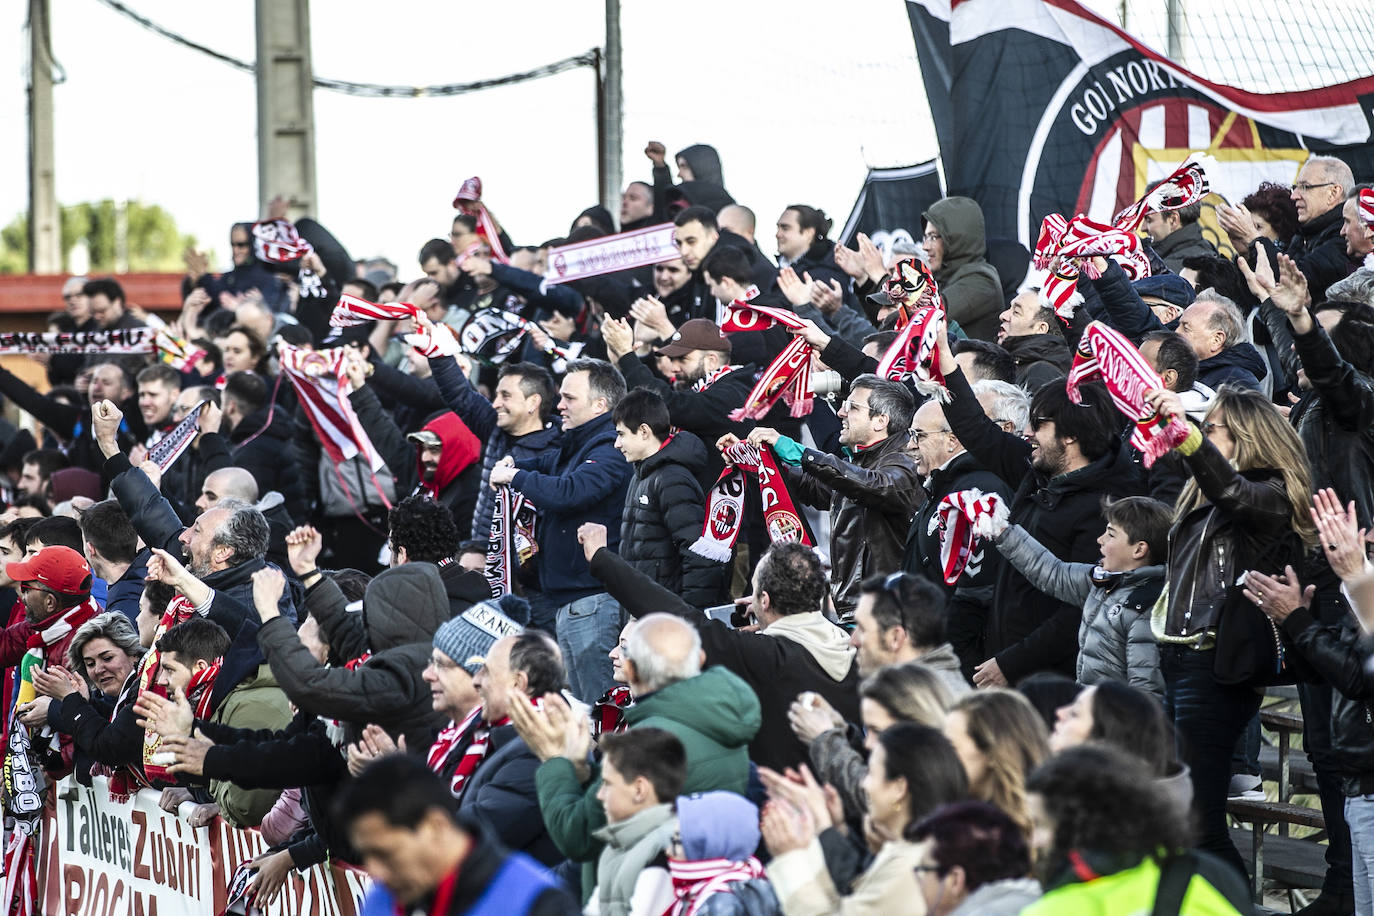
[108, 856]
[611, 253]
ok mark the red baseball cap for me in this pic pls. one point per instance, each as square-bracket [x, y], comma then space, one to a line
[57, 568]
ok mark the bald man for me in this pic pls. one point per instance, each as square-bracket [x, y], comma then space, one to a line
[227, 483]
[739, 219]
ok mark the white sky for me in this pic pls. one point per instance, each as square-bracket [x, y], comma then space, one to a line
[799, 99]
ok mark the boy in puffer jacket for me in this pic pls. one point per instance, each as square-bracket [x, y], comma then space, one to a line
[1114, 638]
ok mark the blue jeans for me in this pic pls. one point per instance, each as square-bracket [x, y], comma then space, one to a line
[543, 612]
[1359, 814]
[588, 629]
[1208, 719]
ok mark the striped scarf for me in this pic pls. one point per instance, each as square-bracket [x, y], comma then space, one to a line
[1105, 353]
[962, 518]
[322, 389]
[695, 881]
[469, 200]
[788, 376]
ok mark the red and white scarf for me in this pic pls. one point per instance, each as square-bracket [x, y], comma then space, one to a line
[910, 286]
[277, 241]
[200, 689]
[695, 881]
[350, 311]
[179, 610]
[1105, 353]
[1185, 186]
[788, 376]
[612, 253]
[914, 353]
[449, 739]
[725, 504]
[702, 384]
[962, 518]
[1365, 205]
[322, 388]
[1066, 248]
[469, 200]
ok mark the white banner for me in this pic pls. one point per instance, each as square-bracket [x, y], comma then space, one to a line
[606, 255]
[119, 857]
[122, 340]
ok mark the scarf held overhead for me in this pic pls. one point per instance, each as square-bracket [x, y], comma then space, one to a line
[469, 201]
[1105, 353]
[788, 376]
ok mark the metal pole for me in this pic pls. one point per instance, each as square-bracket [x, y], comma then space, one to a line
[612, 100]
[1177, 30]
[286, 109]
[45, 230]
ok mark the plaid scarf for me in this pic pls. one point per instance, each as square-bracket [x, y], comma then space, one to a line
[787, 376]
[962, 518]
[1105, 353]
[725, 504]
[695, 881]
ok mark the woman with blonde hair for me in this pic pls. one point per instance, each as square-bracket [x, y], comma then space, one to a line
[1245, 508]
[912, 692]
[999, 738]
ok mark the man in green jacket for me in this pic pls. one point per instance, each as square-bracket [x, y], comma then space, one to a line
[714, 713]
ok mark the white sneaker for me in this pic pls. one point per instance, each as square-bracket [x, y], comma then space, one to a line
[1245, 786]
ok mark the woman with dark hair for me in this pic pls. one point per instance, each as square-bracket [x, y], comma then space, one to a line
[1130, 719]
[1272, 208]
[819, 868]
[1049, 692]
[974, 862]
[1106, 842]
[1246, 507]
[242, 350]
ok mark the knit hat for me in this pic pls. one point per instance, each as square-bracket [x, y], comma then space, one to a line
[717, 825]
[468, 637]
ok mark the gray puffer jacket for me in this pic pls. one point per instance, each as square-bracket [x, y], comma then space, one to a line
[1114, 639]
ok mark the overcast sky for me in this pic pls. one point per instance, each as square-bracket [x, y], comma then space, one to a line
[800, 98]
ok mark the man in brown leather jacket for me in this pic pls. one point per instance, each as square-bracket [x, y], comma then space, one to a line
[871, 496]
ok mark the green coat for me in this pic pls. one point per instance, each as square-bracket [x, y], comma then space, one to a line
[257, 702]
[715, 715]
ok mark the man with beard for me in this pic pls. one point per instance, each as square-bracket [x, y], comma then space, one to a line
[706, 385]
[1071, 456]
[225, 546]
[449, 470]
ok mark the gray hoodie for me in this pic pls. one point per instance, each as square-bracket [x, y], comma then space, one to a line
[1000, 898]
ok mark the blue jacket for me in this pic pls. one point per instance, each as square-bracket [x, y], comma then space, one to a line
[480, 417]
[584, 481]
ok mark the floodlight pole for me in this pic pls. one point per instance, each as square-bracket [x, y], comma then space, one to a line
[610, 127]
[45, 230]
[286, 108]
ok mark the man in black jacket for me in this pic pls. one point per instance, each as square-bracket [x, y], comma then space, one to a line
[1318, 248]
[1030, 333]
[795, 649]
[948, 468]
[260, 438]
[871, 496]
[1074, 458]
[665, 508]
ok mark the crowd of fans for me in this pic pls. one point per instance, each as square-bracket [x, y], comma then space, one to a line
[311, 646]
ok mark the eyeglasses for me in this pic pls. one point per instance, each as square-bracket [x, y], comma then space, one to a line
[1311, 185]
[1037, 422]
[850, 405]
[240, 244]
[919, 435]
[1208, 426]
[1002, 421]
[926, 869]
[930, 237]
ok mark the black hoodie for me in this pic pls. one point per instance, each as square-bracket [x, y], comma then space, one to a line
[261, 445]
[664, 513]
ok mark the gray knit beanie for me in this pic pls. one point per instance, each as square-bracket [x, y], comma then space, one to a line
[468, 637]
